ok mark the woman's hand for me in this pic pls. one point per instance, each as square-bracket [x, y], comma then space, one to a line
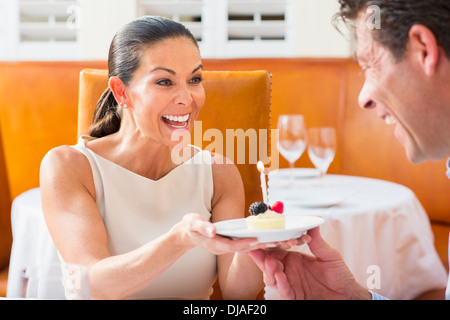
[299, 276]
[198, 232]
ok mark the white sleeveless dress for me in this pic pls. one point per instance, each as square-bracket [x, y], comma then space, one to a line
[136, 210]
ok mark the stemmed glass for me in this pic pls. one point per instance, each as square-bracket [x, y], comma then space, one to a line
[322, 147]
[56, 281]
[292, 138]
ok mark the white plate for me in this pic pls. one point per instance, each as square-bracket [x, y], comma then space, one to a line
[323, 201]
[295, 227]
[298, 173]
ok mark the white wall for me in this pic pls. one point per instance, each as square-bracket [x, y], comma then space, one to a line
[100, 19]
[315, 34]
[8, 22]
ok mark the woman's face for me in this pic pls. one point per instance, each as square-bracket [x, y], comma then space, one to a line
[166, 92]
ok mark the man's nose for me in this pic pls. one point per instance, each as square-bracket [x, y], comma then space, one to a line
[365, 98]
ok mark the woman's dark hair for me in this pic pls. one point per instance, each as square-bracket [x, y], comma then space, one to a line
[398, 16]
[124, 59]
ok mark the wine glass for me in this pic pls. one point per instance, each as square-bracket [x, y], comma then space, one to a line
[322, 147]
[56, 281]
[292, 138]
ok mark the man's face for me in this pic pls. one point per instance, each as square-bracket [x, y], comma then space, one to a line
[402, 96]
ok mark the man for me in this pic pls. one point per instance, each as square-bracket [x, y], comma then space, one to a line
[407, 68]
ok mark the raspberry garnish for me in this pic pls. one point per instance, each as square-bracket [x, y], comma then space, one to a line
[277, 207]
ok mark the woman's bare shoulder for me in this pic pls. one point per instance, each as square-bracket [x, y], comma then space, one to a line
[224, 168]
[63, 157]
[65, 164]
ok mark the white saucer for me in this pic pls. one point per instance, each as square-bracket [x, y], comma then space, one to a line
[297, 173]
[322, 201]
[295, 227]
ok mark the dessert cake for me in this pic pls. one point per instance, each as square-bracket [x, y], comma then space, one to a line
[264, 217]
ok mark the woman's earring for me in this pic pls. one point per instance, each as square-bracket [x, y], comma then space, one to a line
[123, 105]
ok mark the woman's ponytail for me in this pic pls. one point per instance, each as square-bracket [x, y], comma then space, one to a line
[107, 116]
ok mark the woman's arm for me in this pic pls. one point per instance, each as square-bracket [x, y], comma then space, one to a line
[239, 277]
[77, 228]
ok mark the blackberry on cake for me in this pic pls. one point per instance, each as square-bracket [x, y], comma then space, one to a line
[257, 208]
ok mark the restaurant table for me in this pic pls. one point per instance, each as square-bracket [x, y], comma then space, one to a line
[32, 244]
[380, 228]
[376, 225]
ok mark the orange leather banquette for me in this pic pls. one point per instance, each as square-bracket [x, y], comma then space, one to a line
[38, 111]
[326, 92]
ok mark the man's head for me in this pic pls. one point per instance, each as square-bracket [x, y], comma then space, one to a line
[407, 67]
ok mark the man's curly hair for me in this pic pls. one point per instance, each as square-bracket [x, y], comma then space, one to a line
[397, 17]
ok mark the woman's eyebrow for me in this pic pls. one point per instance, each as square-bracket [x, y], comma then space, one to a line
[198, 68]
[173, 72]
[164, 69]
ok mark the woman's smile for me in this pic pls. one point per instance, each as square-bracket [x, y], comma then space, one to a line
[176, 121]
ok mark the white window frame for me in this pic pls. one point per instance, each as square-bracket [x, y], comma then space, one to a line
[27, 39]
[304, 29]
[214, 27]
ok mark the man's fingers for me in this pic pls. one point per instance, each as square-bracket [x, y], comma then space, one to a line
[318, 246]
[272, 266]
[258, 256]
[283, 286]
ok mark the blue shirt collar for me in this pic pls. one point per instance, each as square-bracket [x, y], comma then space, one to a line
[448, 168]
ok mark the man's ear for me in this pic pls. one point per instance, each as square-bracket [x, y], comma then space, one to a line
[118, 89]
[424, 48]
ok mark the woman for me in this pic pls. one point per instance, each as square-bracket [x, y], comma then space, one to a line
[116, 201]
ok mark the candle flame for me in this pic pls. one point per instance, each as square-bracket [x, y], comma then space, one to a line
[260, 166]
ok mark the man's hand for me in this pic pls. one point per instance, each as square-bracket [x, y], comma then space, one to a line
[298, 276]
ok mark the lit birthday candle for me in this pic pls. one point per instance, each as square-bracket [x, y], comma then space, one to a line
[260, 167]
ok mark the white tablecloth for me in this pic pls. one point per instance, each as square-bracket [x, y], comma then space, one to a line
[32, 244]
[379, 227]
